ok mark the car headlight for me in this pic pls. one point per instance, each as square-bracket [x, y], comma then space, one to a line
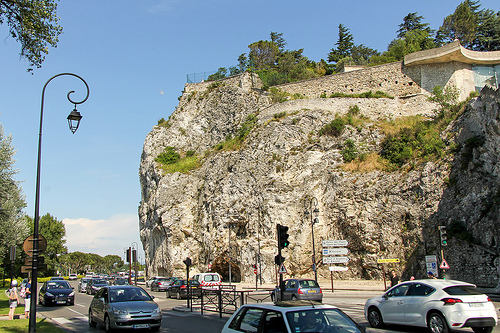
[119, 312]
[71, 294]
[156, 311]
[49, 294]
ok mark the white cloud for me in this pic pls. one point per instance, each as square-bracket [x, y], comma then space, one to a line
[103, 237]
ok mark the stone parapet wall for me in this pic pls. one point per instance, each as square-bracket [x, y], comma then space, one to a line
[245, 81]
[394, 79]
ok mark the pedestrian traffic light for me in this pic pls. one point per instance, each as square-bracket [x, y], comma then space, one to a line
[443, 236]
[128, 255]
[283, 236]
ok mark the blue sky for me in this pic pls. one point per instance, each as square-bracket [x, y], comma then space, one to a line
[135, 56]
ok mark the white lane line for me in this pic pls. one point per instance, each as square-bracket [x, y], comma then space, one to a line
[61, 321]
[81, 314]
[83, 306]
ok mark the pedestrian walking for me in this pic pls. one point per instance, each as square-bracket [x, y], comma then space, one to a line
[13, 298]
[394, 278]
[27, 299]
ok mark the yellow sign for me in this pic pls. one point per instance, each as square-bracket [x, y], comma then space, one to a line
[385, 261]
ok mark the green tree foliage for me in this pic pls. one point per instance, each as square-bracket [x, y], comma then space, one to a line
[263, 54]
[220, 74]
[488, 31]
[278, 40]
[413, 41]
[34, 24]
[461, 25]
[169, 156]
[13, 224]
[54, 232]
[344, 45]
[413, 22]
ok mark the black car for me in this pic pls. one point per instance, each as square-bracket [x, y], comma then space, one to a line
[94, 285]
[56, 292]
[179, 289]
[120, 282]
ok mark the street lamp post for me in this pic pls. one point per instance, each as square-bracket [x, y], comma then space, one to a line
[134, 260]
[73, 121]
[311, 204]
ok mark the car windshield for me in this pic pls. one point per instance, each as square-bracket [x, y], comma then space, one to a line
[321, 320]
[308, 284]
[58, 285]
[99, 281]
[128, 295]
[462, 291]
[211, 277]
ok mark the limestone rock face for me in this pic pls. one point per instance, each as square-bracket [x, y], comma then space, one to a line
[227, 209]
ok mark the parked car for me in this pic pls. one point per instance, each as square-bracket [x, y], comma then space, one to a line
[299, 289]
[293, 317]
[56, 292]
[82, 285]
[160, 284]
[179, 289]
[436, 304]
[150, 280]
[126, 307]
[94, 284]
[208, 279]
[73, 277]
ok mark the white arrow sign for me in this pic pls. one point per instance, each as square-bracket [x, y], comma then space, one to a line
[336, 251]
[335, 260]
[338, 268]
[335, 242]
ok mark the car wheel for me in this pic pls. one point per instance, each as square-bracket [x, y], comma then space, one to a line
[107, 324]
[92, 323]
[375, 318]
[482, 329]
[178, 295]
[437, 323]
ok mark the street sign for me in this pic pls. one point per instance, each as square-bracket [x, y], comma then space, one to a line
[29, 260]
[444, 265]
[335, 242]
[27, 269]
[336, 251]
[338, 268]
[335, 260]
[282, 269]
[386, 261]
[28, 244]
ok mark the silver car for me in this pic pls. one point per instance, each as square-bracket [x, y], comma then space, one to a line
[299, 289]
[127, 307]
[82, 285]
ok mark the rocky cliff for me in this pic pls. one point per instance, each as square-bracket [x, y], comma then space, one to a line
[230, 204]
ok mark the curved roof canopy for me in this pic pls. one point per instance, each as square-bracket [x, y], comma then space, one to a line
[452, 52]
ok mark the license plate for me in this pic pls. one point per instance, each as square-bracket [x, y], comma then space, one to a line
[61, 302]
[476, 305]
[311, 291]
[141, 326]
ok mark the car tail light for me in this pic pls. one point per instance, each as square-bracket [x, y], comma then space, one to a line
[451, 301]
[299, 291]
[183, 287]
[320, 291]
[489, 299]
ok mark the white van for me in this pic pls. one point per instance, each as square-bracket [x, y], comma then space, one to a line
[208, 279]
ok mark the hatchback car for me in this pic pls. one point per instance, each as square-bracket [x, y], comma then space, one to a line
[160, 284]
[82, 285]
[439, 305]
[290, 317]
[94, 284]
[150, 280]
[56, 292]
[299, 289]
[126, 307]
[178, 289]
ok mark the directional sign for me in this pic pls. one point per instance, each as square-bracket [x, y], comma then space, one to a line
[386, 261]
[282, 269]
[444, 265]
[336, 251]
[335, 242]
[335, 260]
[27, 269]
[338, 268]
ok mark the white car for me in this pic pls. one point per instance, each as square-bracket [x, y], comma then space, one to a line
[439, 305]
[290, 317]
[73, 277]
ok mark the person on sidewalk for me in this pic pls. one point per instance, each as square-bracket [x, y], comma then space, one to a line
[27, 299]
[13, 298]
[394, 278]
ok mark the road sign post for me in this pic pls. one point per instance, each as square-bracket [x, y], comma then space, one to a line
[386, 261]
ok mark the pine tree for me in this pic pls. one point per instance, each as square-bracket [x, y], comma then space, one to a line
[345, 43]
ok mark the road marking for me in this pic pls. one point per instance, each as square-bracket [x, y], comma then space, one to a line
[83, 306]
[61, 321]
[76, 312]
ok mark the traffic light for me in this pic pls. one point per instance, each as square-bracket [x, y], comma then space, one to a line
[128, 255]
[134, 255]
[278, 260]
[443, 236]
[283, 236]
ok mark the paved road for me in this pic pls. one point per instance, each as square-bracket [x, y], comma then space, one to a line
[74, 318]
